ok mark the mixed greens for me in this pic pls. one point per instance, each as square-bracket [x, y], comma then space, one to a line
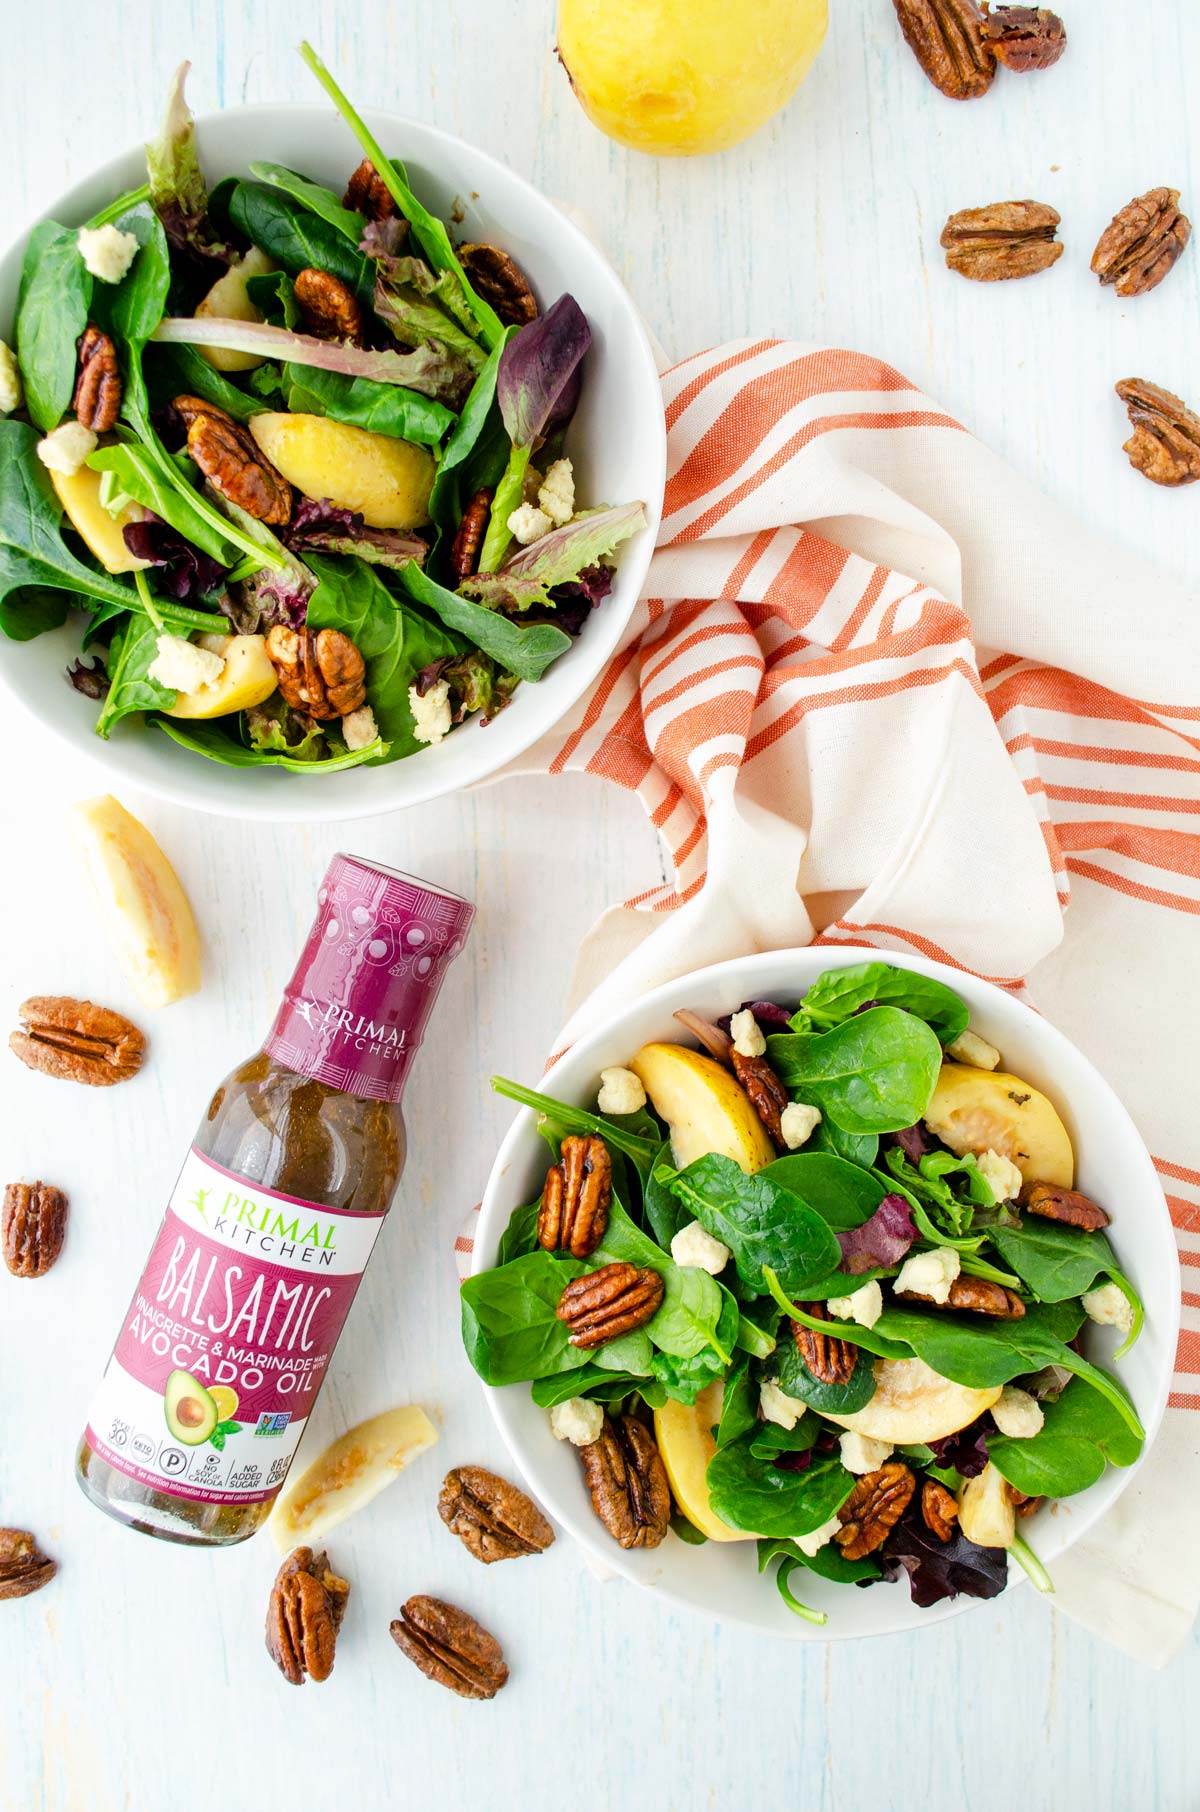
[870, 1270]
[236, 419]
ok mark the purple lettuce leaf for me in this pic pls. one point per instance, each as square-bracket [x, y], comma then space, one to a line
[476, 684]
[913, 1141]
[326, 528]
[770, 1016]
[534, 574]
[881, 1241]
[572, 603]
[941, 1569]
[184, 571]
[92, 680]
[965, 1451]
[178, 192]
[433, 370]
[267, 598]
[540, 375]
[383, 239]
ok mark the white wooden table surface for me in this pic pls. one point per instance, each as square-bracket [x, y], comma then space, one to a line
[138, 1680]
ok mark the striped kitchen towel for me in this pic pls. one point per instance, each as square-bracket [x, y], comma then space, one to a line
[881, 691]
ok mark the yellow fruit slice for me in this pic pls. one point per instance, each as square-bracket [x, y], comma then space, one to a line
[982, 1110]
[79, 494]
[685, 1441]
[228, 299]
[706, 1108]
[986, 1513]
[912, 1402]
[149, 919]
[226, 1401]
[349, 1474]
[246, 679]
[387, 480]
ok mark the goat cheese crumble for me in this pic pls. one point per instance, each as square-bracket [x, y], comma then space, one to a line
[1000, 1174]
[431, 712]
[970, 1048]
[1017, 1414]
[556, 494]
[861, 1454]
[359, 728]
[106, 251]
[744, 1029]
[1109, 1307]
[528, 524]
[798, 1122]
[864, 1305]
[693, 1245]
[929, 1274]
[182, 666]
[621, 1092]
[578, 1420]
[66, 447]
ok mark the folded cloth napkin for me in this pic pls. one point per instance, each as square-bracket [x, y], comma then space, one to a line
[881, 691]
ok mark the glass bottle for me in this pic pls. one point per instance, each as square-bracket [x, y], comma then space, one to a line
[270, 1225]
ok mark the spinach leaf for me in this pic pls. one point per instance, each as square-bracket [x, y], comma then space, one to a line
[688, 1319]
[362, 403]
[298, 239]
[274, 296]
[841, 1193]
[313, 197]
[509, 1327]
[53, 305]
[739, 1403]
[663, 1212]
[476, 453]
[520, 1236]
[594, 1381]
[172, 371]
[136, 306]
[526, 651]
[395, 641]
[761, 1222]
[752, 1338]
[687, 1532]
[684, 1379]
[840, 993]
[795, 1380]
[630, 1354]
[1057, 1262]
[1082, 1433]
[857, 1148]
[873, 1074]
[33, 553]
[640, 1150]
[753, 1495]
[130, 687]
[769, 1438]
[828, 1562]
[217, 744]
[141, 476]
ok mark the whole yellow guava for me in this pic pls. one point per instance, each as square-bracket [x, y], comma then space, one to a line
[681, 77]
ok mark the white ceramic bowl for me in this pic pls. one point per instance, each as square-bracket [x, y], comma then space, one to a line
[721, 1580]
[617, 441]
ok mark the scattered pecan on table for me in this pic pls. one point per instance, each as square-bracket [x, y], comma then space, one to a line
[500, 280]
[319, 671]
[464, 554]
[23, 1566]
[1024, 37]
[873, 1508]
[76, 1041]
[1141, 242]
[33, 1225]
[304, 1614]
[979, 1294]
[1070, 1206]
[627, 1482]
[830, 1360]
[97, 399]
[946, 37]
[576, 1197]
[1002, 240]
[492, 1519]
[450, 1647]
[939, 1508]
[1165, 444]
[329, 307]
[368, 194]
[611, 1301]
[767, 1094]
[230, 459]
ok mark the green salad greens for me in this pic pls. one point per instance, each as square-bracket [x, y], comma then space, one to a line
[835, 1260]
[300, 459]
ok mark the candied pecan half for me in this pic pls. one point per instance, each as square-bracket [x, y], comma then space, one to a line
[576, 1197]
[946, 37]
[979, 1294]
[1165, 444]
[627, 1481]
[1024, 37]
[939, 1507]
[1070, 1206]
[97, 400]
[464, 555]
[329, 307]
[304, 1614]
[23, 1566]
[229, 457]
[32, 1227]
[76, 1041]
[613, 1300]
[1002, 240]
[830, 1360]
[873, 1508]
[766, 1092]
[320, 671]
[492, 1519]
[449, 1647]
[1024, 1506]
[1141, 242]
[500, 280]
[369, 195]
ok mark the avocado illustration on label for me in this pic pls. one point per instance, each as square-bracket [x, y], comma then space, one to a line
[190, 1411]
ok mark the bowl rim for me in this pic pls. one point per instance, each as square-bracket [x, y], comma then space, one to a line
[603, 1554]
[299, 801]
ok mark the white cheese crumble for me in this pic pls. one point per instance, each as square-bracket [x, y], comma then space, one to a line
[778, 1407]
[106, 251]
[182, 666]
[970, 1048]
[621, 1092]
[744, 1029]
[864, 1305]
[929, 1274]
[11, 393]
[359, 728]
[860, 1453]
[431, 712]
[528, 524]
[66, 447]
[693, 1245]
[578, 1420]
[812, 1544]
[556, 494]
[1016, 1413]
[1109, 1307]
[798, 1122]
[1001, 1175]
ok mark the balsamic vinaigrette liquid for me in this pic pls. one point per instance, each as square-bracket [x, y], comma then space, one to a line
[224, 1347]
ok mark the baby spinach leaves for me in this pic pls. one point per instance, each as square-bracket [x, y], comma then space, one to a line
[874, 1073]
[1058, 1262]
[32, 550]
[689, 1318]
[130, 687]
[476, 453]
[53, 305]
[684, 1379]
[840, 993]
[313, 197]
[1082, 1433]
[843, 1194]
[641, 1150]
[754, 1495]
[795, 1380]
[172, 371]
[211, 740]
[760, 1221]
[297, 239]
[509, 1327]
[739, 1403]
[525, 651]
[363, 403]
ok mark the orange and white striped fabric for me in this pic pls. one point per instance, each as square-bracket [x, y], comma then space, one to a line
[882, 691]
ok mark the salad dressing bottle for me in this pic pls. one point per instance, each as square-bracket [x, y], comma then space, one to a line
[268, 1230]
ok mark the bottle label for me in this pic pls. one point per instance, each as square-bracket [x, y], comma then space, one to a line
[222, 1353]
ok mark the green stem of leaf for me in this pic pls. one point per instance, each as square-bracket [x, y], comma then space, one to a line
[1028, 1561]
[132, 199]
[787, 1567]
[509, 491]
[1139, 1314]
[147, 597]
